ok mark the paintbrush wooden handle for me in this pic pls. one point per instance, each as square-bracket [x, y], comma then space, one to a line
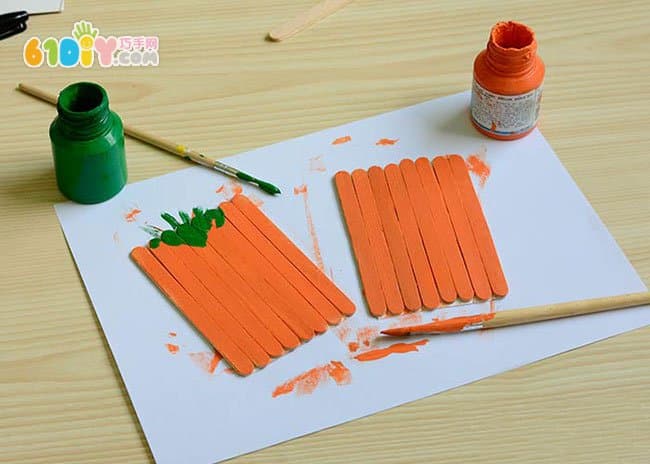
[307, 19]
[561, 310]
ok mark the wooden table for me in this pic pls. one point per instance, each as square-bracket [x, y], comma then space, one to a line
[221, 87]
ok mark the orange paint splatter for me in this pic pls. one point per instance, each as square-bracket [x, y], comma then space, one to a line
[172, 334]
[173, 349]
[131, 216]
[230, 189]
[308, 381]
[341, 140]
[387, 141]
[353, 346]
[380, 353]
[408, 319]
[302, 190]
[257, 201]
[316, 164]
[366, 335]
[343, 330]
[206, 360]
[479, 168]
[455, 324]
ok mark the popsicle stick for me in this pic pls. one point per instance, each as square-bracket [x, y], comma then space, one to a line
[243, 294]
[428, 232]
[307, 19]
[324, 307]
[192, 310]
[479, 226]
[169, 257]
[444, 229]
[378, 245]
[294, 255]
[251, 265]
[463, 230]
[360, 244]
[409, 227]
[233, 304]
[396, 244]
[234, 294]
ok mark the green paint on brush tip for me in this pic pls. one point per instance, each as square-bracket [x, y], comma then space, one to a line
[192, 231]
[266, 186]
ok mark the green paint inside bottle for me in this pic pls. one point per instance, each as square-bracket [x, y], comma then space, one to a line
[87, 145]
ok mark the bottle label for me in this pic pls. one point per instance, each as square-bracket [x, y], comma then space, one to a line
[505, 114]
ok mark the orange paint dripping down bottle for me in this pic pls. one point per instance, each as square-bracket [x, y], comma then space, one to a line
[507, 87]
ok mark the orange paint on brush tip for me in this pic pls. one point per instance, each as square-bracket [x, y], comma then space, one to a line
[479, 168]
[387, 142]
[455, 324]
[131, 216]
[507, 88]
[173, 349]
[380, 353]
[341, 140]
[308, 381]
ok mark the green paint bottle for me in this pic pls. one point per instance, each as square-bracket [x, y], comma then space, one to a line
[87, 145]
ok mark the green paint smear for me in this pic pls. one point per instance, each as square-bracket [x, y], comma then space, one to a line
[192, 231]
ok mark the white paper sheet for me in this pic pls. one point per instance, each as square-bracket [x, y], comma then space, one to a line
[552, 245]
[31, 6]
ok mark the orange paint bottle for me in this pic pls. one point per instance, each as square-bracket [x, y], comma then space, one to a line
[507, 87]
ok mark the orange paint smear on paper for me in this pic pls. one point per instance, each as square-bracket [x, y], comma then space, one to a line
[308, 381]
[380, 353]
[131, 216]
[477, 166]
[316, 164]
[302, 190]
[341, 140]
[387, 141]
[366, 335]
[172, 334]
[173, 349]
[408, 318]
[230, 189]
[353, 347]
[343, 330]
[206, 360]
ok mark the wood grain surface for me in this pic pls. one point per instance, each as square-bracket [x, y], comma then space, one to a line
[222, 88]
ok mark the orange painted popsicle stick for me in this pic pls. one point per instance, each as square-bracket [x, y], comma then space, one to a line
[192, 310]
[378, 245]
[293, 254]
[245, 295]
[324, 307]
[428, 232]
[235, 306]
[444, 229]
[287, 302]
[479, 226]
[396, 245]
[462, 228]
[170, 257]
[360, 244]
[409, 226]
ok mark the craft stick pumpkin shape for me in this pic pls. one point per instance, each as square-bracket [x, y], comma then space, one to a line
[241, 282]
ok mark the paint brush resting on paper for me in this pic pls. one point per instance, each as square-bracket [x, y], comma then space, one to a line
[524, 316]
[171, 147]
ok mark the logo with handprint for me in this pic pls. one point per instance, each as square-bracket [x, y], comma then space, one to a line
[86, 44]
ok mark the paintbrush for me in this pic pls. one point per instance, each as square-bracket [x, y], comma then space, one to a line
[171, 147]
[493, 320]
[307, 19]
